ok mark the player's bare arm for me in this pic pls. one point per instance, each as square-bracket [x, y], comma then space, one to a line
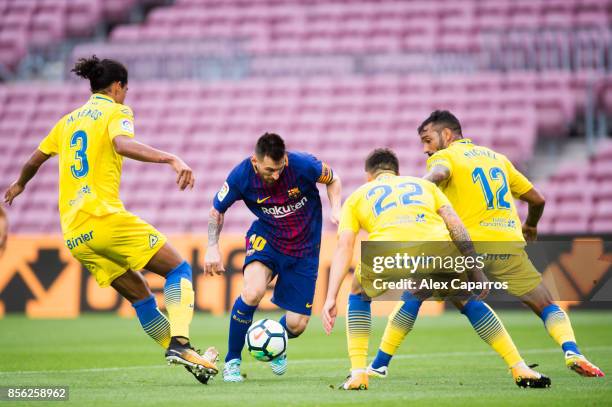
[29, 170]
[462, 240]
[213, 263]
[334, 194]
[130, 148]
[438, 174]
[339, 269]
[535, 200]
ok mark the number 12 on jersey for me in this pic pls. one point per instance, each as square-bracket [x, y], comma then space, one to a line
[495, 173]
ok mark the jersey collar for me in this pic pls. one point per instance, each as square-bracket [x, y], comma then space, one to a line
[462, 141]
[384, 175]
[100, 96]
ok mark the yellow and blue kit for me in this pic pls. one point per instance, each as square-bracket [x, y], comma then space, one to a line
[97, 229]
[395, 208]
[481, 187]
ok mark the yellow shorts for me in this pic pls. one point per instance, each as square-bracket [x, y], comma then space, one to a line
[517, 270]
[110, 245]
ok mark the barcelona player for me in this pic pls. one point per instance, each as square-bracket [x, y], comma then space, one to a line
[113, 244]
[400, 208]
[481, 184]
[280, 188]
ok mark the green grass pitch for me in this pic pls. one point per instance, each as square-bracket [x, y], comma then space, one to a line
[107, 360]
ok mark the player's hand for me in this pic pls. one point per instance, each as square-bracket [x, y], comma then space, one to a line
[329, 313]
[477, 275]
[530, 233]
[212, 261]
[184, 174]
[12, 192]
[335, 215]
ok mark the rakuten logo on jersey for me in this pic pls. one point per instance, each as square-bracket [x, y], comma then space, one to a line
[282, 211]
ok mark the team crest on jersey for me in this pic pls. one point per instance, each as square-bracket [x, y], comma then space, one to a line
[223, 192]
[153, 239]
[294, 193]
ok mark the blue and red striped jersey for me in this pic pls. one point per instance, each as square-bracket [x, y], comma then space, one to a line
[289, 214]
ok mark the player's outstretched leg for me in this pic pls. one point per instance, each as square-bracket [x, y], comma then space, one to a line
[358, 328]
[179, 296]
[132, 286]
[257, 276]
[241, 319]
[559, 327]
[491, 330]
[400, 323]
[153, 321]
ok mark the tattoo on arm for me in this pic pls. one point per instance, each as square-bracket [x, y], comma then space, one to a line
[437, 174]
[215, 224]
[457, 230]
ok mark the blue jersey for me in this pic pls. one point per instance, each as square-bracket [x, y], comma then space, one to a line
[289, 211]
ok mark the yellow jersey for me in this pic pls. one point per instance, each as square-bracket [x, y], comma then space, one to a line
[481, 185]
[89, 167]
[396, 208]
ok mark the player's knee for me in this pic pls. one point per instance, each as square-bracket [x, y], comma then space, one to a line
[538, 299]
[356, 287]
[297, 325]
[252, 295]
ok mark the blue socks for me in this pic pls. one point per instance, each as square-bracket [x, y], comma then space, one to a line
[399, 325]
[359, 325]
[240, 321]
[558, 325]
[283, 322]
[183, 270]
[153, 321]
[179, 297]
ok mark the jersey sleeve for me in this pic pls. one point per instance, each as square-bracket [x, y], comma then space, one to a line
[317, 170]
[229, 192]
[121, 123]
[440, 158]
[518, 183]
[50, 144]
[439, 198]
[348, 217]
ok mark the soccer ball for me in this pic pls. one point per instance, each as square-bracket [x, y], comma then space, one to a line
[266, 340]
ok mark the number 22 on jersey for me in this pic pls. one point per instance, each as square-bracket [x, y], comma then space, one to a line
[383, 191]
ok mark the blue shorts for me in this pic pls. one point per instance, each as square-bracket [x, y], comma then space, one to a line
[296, 277]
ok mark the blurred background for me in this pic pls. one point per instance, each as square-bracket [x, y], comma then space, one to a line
[337, 78]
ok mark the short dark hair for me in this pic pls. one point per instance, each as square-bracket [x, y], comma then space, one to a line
[442, 118]
[382, 159]
[101, 73]
[271, 145]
